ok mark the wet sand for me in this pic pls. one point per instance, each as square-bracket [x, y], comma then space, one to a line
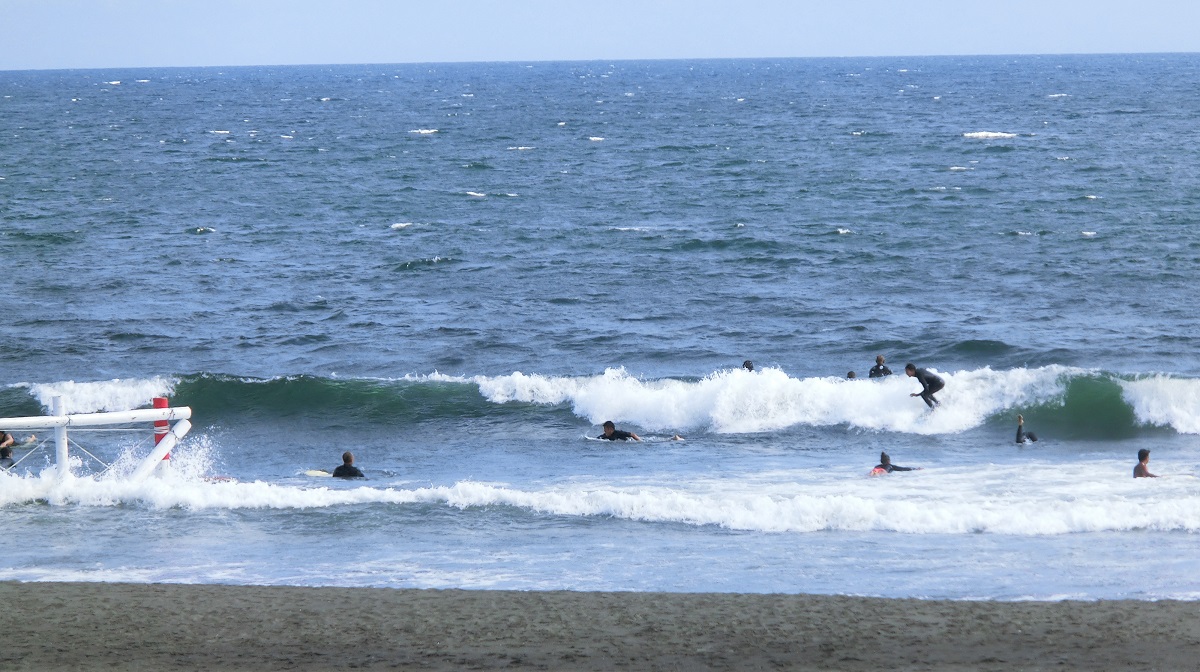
[92, 626]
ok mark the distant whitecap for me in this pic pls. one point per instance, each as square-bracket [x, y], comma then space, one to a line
[219, 132]
[1091, 197]
[116, 82]
[141, 81]
[287, 137]
[476, 194]
[988, 135]
[844, 232]
[521, 148]
[400, 225]
[1088, 234]
[595, 138]
[1059, 95]
[562, 123]
[960, 168]
[424, 131]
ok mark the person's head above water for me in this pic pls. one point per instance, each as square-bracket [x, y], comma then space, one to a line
[879, 359]
[884, 459]
[1143, 455]
[910, 368]
[748, 365]
[5, 452]
[347, 457]
[851, 375]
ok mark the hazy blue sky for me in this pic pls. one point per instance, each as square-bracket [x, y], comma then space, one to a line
[120, 33]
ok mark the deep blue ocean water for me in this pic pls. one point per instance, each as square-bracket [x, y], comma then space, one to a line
[459, 271]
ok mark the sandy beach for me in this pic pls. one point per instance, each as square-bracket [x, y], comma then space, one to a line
[88, 626]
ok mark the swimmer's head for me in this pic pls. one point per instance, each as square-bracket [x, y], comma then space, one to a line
[884, 459]
[910, 368]
[608, 424]
[879, 359]
[748, 365]
[1143, 455]
[347, 457]
[851, 375]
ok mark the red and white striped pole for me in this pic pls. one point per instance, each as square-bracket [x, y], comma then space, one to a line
[161, 426]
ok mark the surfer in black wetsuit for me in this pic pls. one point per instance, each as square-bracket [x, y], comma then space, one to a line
[1022, 435]
[885, 463]
[348, 470]
[748, 365]
[879, 370]
[930, 384]
[6, 459]
[611, 433]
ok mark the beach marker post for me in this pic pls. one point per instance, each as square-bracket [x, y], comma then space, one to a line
[161, 427]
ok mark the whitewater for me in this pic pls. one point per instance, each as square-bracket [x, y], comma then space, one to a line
[458, 272]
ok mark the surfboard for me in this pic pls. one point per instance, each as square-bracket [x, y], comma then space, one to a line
[877, 472]
[317, 472]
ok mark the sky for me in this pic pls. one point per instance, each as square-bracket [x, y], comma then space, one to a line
[52, 34]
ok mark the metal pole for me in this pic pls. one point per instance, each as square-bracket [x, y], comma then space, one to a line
[60, 438]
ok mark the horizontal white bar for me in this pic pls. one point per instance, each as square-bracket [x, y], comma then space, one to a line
[96, 419]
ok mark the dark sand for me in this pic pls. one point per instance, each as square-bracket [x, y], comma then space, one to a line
[104, 626]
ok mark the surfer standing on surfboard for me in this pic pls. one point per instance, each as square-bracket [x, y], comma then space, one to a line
[930, 383]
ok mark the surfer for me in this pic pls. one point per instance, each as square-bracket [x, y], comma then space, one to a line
[348, 470]
[1022, 435]
[851, 375]
[7, 440]
[748, 365]
[930, 384]
[885, 465]
[1141, 470]
[879, 370]
[611, 433]
[6, 459]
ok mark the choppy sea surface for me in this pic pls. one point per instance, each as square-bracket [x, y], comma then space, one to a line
[459, 271]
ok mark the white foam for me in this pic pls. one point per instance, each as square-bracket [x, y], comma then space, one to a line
[961, 168]
[424, 131]
[1087, 234]
[1165, 401]
[595, 138]
[1025, 498]
[476, 194]
[989, 135]
[739, 401]
[844, 232]
[400, 225]
[104, 396]
[1059, 95]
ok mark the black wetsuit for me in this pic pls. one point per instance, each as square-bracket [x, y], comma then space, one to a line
[930, 384]
[617, 435]
[1022, 435]
[879, 371]
[889, 467]
[348, 471]
[6, 463]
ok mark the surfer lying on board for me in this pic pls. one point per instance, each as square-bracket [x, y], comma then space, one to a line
[7, 440]
[1141, 470]
[930, 384]
[1022, 435]
[885, 466]
[348, 470]
[613, 434]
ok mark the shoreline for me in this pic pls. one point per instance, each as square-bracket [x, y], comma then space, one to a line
[56, 626]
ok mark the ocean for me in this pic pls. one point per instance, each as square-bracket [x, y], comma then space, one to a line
[459, 271]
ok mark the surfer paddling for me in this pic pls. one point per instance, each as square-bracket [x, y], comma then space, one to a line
[611, 433]
[885, 466]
